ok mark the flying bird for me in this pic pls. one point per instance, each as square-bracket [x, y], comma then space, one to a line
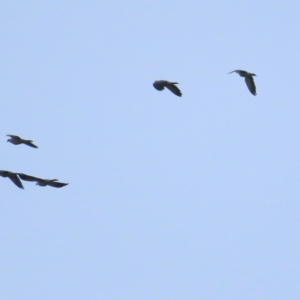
[248, 79]
[13, 177]
[42, 182]
[16, 140]
[161, 84]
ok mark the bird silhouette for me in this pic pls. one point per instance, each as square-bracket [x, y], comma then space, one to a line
[42, 182]
[161, 84]
[248, 79]
[16, 140]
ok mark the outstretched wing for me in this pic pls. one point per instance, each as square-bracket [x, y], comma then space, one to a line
[30, 144]
[15, 179]
[174, 89]
[14, 136]
[250, 84]
[28, 177]
[57, 184]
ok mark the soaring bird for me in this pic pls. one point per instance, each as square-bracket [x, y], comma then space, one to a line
[161, 84]
[13, 177]
[42, 182]
[248, 79]
[16, 140]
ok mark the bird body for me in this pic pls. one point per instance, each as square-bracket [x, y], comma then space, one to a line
[248, 79]
[13, 177]
[16, 140]
[161, 84]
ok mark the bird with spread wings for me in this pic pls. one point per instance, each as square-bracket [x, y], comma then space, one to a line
[161, 84]
[16, 140]
[248, 79]
[42, 182]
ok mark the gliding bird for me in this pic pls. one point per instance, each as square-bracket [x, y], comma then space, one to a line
[248, 79]
[16, 140]
[161, 84]
[42, 182]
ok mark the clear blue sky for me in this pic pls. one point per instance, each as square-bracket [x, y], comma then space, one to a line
[168, 198]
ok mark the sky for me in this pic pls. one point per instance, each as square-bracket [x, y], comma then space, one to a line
[192, 197]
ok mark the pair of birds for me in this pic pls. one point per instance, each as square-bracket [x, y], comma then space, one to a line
[161, 84]
[15, 177]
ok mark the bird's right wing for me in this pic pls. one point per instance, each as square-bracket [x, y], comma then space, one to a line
[57, 184]
[30, 144]
[15, 179]
[250, 84]
[174, 89]
[28, 177]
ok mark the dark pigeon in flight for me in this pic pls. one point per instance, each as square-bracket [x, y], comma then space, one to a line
[42, 182]
[13, 177]
[161, 84]
[16, 140]
[248, 79]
